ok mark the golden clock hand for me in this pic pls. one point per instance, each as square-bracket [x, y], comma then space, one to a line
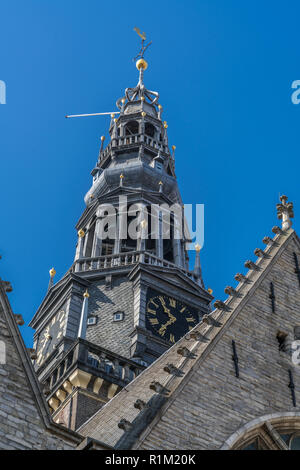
[169, 322]
[164, 327]
[172, 317]
[163, 303]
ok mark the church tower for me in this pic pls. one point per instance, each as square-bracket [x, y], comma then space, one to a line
[129, 294]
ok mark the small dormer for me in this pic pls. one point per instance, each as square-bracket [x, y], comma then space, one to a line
[158, 163]
[96, 172]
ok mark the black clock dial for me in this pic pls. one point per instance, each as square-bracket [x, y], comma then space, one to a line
[169, 318]
[50, 336]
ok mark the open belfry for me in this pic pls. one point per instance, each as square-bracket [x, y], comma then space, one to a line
[129, 352]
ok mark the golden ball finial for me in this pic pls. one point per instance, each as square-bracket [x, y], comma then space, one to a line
[197, 247]
[159, 106]
[160, 183]
[173, 147]
[165, 125]
[141, 64]
[123, 100]
[210, 291]
[142, 98]
[52, 272]
[103, 138]
[143, 114]
[86, 294]
[112, 115]
[81, 233]
[121, 176]
[144, 223]
[115, 120]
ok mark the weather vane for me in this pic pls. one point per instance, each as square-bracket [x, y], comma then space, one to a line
[144, 47]
[140, 55]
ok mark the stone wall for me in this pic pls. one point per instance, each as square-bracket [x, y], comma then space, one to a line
[21, 423]
[214, 403]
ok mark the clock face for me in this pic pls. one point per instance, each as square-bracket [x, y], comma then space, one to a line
[169, 318]
[50, 336]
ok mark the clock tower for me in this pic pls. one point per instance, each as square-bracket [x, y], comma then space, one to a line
[129, 294]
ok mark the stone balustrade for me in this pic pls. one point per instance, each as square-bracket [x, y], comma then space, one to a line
[133, 139]
[126, 259]
[83, 361]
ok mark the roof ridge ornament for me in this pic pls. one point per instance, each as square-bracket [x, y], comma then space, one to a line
[285, 212]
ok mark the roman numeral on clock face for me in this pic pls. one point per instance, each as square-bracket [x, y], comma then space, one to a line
[172, 338]
[149, 310]
[153, 321]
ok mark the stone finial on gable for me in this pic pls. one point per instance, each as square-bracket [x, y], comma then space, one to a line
[285, 212]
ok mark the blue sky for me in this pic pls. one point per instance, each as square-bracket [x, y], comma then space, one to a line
[224, 71]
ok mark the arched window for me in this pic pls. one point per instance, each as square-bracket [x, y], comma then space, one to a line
[271, 432]
[131, 128]
[280, 441]
[149, 129]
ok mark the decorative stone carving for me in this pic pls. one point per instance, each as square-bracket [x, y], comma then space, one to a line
[32, 353]
[230, 291]
[67, 386]
[7, 286]
[211, 321]
[125, 425]
[61, 395]
[54, 403]
[197, 336]
[97, 385]
[19, 319]
[250, 265]
[159, 388]
[260, 253]
[240, 277]
[285, 212]
[185, 352]
[80, 378]
[140, 404]
[277, 230]
[171, 369]
[268, 241]
[112, 390]
[221, 305]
